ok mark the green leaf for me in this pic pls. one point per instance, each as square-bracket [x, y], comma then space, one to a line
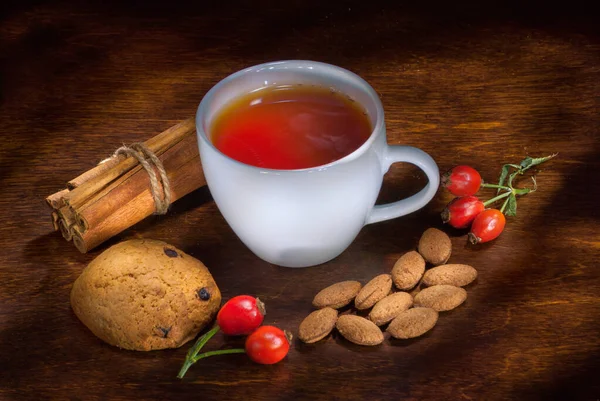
[526, 162]
[529, 162]
[503, 175]
[511, 209]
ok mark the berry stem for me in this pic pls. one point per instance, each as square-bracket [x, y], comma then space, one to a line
[219, 352]
[497, 198]
[504, 206]
[193, 352]
[484, 185]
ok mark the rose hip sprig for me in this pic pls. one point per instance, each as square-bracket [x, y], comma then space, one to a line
[468, 210]
[243, 315]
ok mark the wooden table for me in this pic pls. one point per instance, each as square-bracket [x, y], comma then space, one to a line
[467, 83]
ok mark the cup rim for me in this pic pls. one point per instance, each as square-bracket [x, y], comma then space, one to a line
[377, 128]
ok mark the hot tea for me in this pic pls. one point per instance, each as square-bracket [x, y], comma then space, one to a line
[296, 215]
[290, 127]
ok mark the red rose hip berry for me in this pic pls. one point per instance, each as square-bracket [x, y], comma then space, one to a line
[488, 225]
[268, 345]
[241, 315]
[462, 181]
[460, 212]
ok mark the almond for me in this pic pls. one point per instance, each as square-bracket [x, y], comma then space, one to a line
[441, 297]
[452, 274]
[435, 246]
[408, 270]
[375, 290]
[317, 325]
[389, 307]
[337, 295]
[413, 323]
[359, 330]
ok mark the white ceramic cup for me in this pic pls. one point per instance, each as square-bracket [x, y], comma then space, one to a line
[305, 217]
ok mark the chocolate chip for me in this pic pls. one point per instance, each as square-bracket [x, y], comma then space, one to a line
[203, 294]
[165, 332]
[171, 253]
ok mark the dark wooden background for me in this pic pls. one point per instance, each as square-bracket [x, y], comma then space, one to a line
[479, 83]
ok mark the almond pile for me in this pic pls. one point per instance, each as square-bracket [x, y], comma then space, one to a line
[386, 299]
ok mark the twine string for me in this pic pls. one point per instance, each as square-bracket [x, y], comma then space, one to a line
[159, 185]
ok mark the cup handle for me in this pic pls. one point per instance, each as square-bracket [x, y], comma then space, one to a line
[409, 154]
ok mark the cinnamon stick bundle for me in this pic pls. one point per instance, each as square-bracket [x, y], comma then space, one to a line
[116, 194]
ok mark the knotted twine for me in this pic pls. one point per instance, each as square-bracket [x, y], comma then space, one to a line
[161, 191]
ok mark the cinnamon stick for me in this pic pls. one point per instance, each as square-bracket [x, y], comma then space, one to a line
[56, 200]
[98, 170]
[183, 181]
[55, 219]
[174, 161]
[66, 220]
[158, 144]
[113, 196]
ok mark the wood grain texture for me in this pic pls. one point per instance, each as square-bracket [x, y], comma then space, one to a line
[483, 83]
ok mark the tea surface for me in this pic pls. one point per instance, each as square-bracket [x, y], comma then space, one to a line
[290, 127]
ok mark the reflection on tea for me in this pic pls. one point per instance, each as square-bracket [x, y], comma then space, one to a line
[290, 127]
